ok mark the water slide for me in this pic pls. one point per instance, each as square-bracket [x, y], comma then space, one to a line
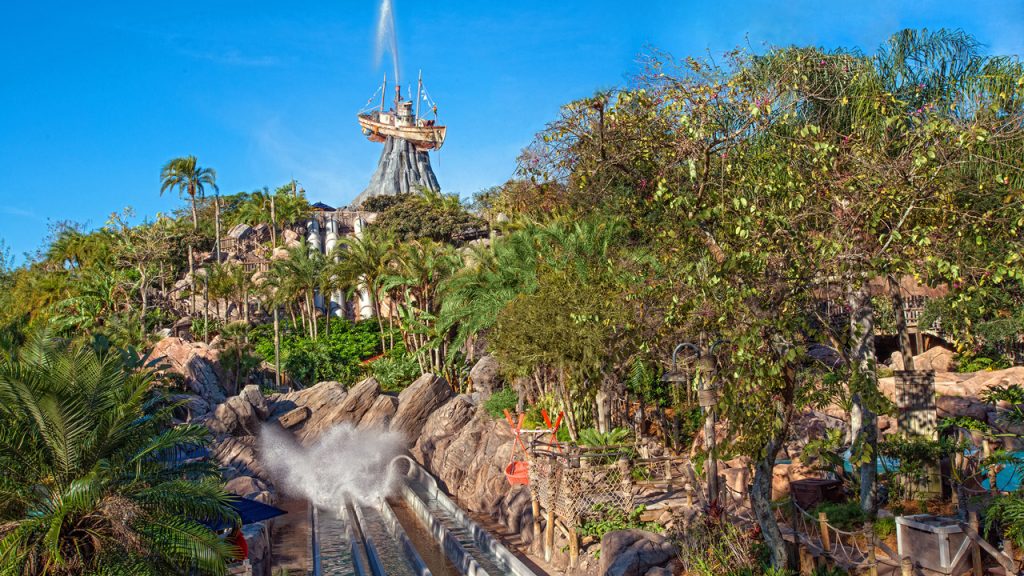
[368, 539]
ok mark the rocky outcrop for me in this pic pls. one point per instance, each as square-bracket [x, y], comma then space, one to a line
[485, 375]
[417, 402]
[234, 417]
[380, 414]
[634, 552]
[939, 359]
[401, 170]
[198, 366]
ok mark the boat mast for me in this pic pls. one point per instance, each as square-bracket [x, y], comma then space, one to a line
[419, 91]
[383, 91]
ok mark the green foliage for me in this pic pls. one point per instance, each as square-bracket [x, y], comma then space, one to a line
[504, 399]
[428, 215]
[337, 355]
[1007, 512]
[846, 516]
[914, 458]
[396, 369]
[93, 481]
[715, 548]
[603, 518]
[981, 361]
[885, 527]
[593, 438]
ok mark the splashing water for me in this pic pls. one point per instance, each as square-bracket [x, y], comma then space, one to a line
[387, 37]
[344, 464]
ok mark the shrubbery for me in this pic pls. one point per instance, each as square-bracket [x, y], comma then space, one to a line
[336, 355]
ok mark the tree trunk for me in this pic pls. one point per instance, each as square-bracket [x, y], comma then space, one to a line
[864, 385]
[142, 295]
[192, 275]
[899, 309]
[216, 227]
[273, 224]
[277, 349]
[761, 506]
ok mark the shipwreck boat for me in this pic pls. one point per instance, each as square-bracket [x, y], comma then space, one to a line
[402, 121]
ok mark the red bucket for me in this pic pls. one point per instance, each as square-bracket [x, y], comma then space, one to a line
[518, 473]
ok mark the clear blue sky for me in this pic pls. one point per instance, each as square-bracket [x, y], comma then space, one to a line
[95, 96]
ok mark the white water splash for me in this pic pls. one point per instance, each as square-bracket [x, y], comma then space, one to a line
[387, 37]
[344, 464]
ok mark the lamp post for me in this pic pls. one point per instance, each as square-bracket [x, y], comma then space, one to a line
[707, 398]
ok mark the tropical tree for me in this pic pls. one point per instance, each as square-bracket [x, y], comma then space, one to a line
[191, 181]
[92, 476]
[363, 262]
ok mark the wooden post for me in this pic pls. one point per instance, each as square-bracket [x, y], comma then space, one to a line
[823, 528]
[535, 506]
[806, 561]
[976, 565]
[906, 566]
[626, 482]
[549, 534]
[1008, 548]
[668, 476]
[986, 449]
[574, 547]
[872, 560]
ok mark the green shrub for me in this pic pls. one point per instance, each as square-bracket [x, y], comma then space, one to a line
[504, 399]
[845, 516]
[885, 527]
[337, 355]
[396, 370]
[604, 518]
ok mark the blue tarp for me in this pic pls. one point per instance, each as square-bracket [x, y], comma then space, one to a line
[250, 511]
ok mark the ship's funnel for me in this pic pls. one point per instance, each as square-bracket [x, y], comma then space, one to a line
[401, 170]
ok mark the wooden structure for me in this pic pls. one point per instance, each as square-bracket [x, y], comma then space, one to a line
[402, 121]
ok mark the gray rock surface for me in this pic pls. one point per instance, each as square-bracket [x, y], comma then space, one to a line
[417, 402]
[485, 376]
[401, 170]
[379, 415]
[235, 417]
[633, 552]
[196, 363]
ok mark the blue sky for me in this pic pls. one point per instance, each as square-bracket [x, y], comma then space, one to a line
[96, 96]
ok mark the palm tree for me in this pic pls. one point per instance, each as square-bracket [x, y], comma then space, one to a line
[300, 275]
[191, 181]
[92, 475]
[364, 262]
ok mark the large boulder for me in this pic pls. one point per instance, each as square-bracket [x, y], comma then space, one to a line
[938, 359]
[379, 416]
[634, 552]
[954, 406]
[238, 456]
[442, 427]
[417, 402]
[349, 409]
[254, 397]
[485, 375]
[196, 363]
[234, 417]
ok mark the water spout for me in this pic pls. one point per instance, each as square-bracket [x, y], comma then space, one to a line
[344, 464]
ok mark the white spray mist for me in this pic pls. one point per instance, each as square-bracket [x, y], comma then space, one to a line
[387, 37]
[345, 463]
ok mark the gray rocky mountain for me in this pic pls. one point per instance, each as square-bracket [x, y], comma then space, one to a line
[401, 169]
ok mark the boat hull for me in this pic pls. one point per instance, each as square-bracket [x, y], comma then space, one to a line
[422, 137]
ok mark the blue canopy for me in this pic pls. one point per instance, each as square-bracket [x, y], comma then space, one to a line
[250, 511]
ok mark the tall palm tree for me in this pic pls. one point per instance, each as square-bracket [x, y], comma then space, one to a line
[191, 180]
[363, 262]
[300, 275]
[93, 479]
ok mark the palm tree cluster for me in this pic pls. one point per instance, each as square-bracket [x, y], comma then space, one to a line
[95, 479]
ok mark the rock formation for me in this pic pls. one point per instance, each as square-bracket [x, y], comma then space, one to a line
[401, 170]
